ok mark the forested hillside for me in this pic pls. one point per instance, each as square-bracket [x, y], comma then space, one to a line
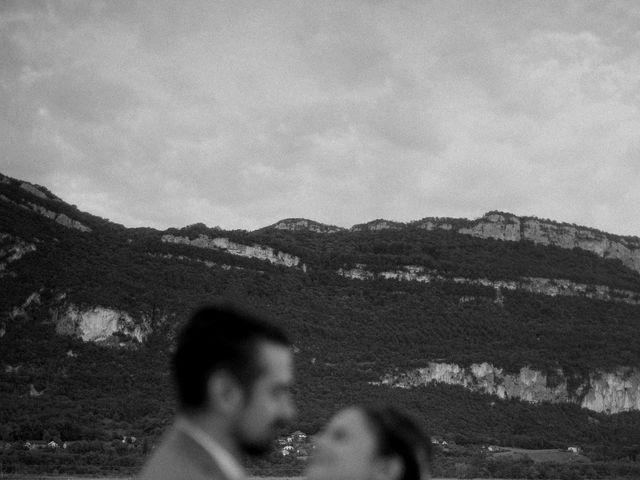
[348, 332]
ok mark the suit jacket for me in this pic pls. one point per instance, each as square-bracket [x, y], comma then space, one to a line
[180, 457]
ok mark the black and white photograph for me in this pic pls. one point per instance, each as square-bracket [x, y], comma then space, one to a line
[319, 240]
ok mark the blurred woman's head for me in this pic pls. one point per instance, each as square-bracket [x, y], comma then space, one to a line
[370, 443]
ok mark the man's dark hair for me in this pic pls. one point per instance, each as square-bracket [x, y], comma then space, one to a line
[219, 337]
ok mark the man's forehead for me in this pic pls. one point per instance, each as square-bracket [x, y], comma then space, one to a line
[275, 358]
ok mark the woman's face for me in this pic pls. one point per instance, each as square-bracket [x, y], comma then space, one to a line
[345, 449]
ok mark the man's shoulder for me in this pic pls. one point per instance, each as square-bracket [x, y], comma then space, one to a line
[177, 457]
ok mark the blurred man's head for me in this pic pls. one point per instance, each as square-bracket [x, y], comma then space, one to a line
[239, 368]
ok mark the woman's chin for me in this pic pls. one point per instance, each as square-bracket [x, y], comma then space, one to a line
[315, 471]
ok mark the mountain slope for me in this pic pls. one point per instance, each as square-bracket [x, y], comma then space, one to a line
[88, 303]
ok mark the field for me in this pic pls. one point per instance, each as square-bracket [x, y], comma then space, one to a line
[550, 455]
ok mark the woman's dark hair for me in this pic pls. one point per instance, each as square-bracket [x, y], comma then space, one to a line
[399, 435]
[219, 337]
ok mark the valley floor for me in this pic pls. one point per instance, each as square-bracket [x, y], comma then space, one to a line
[547, 455]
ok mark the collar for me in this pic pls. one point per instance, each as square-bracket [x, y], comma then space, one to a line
[225, 460]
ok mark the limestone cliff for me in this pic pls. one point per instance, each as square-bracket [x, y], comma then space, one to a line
[545, 286]
[11, 249]
[609, 392]
[23, 310]
[60, 218]
[302, 224]
[98, 324]
[251, 251]
[509, 227]
[33, 190]
[377, 225]
[206, 263]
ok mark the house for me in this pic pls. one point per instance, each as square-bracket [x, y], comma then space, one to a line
[288, 450]
[299, 436]
[35, 445]
[573, 449]
[443, 444]
[52, 445]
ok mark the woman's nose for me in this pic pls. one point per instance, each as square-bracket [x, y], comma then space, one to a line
[321, 440]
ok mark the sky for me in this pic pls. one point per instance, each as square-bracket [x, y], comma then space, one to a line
[239, 114]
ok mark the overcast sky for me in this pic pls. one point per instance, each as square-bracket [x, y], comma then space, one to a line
[240, 114]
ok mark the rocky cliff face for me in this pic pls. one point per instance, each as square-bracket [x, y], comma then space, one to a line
[60, 218]
[614, 392]
[33, 190]
[508, 227]
[545, 286]
[302, 224]
[98, 324]
[206, 263]
[251, 251]
[609, 392]
[12, 249]
[377, 225]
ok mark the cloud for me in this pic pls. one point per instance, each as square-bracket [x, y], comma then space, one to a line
[238, 114]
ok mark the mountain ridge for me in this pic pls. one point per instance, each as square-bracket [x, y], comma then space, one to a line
[360, 305]
[302, 224]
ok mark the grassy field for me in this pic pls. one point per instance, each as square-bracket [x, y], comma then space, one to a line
[550, 455]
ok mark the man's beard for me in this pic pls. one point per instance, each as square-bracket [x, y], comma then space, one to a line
[261, 446]
[255, 448]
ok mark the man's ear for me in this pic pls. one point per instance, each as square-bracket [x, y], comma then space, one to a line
[388, 468]
[225, 392]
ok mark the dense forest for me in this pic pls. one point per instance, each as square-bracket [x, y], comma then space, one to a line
[347, 333]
